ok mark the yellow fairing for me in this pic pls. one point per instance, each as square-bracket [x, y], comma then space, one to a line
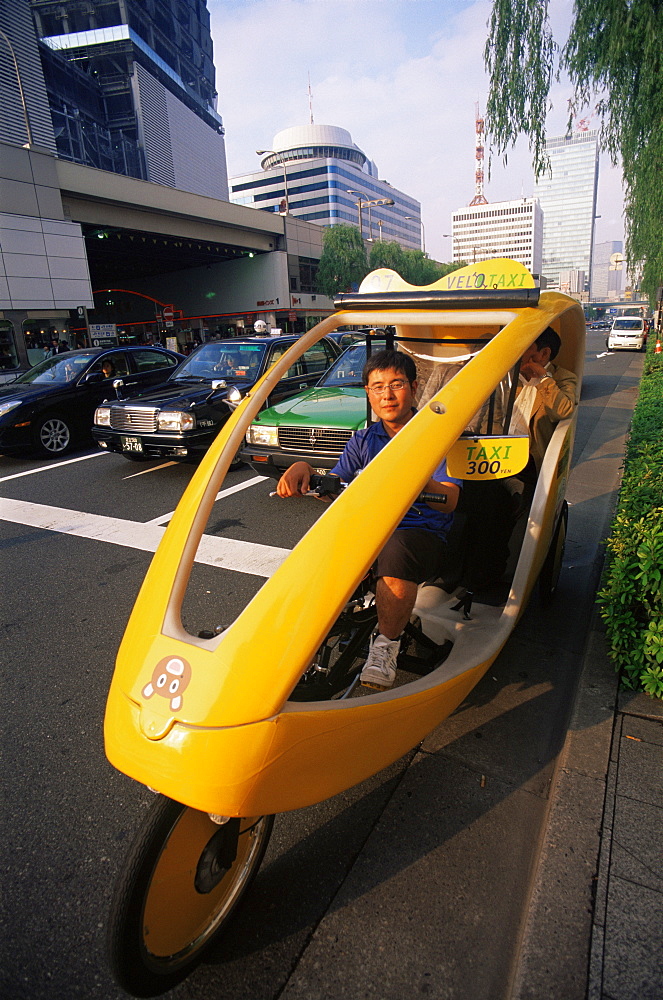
[208, 722]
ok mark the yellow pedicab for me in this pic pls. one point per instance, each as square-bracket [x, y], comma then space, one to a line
[217, 725]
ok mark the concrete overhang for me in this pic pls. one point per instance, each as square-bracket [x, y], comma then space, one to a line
[100, 198]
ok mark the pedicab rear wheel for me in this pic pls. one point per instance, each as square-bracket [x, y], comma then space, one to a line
[552, 566]
[181, 882]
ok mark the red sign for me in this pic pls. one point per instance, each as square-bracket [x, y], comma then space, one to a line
[292, 316]
[168, 314]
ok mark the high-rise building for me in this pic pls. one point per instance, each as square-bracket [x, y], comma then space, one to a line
[130, 85]
[24, 111]
[572, 282]
[606, 277]
[567, 194]
[317, 173]
[504, 229]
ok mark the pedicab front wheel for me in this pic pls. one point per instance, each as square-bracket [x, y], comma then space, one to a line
[181, 882]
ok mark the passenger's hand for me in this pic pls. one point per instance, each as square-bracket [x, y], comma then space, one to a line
[532, 369]
[295, 481]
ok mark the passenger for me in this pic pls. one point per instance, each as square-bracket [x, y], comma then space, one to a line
[548, 394]
[108, 368]
[555, 392]
[416, 549]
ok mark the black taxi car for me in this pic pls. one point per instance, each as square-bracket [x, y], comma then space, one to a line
[181, 417]
[50, 407]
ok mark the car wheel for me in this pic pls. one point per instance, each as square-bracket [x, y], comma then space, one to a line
[52, 436]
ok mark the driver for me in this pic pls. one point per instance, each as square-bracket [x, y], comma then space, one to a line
[414, 551]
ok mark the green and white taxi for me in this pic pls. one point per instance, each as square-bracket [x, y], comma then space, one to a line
[314, 425]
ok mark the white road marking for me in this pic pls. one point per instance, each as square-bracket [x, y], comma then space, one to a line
[223, 553]
[164, 518]
[606, 354]
[144, 472]
[55, 465]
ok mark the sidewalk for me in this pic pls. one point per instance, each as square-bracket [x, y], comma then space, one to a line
[627, 953]
[596, 910]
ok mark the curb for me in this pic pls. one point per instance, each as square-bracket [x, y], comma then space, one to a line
[555, 945]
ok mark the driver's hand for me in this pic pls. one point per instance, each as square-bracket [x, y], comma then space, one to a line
[295, 481]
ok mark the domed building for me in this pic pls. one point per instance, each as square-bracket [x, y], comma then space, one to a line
[317, 173]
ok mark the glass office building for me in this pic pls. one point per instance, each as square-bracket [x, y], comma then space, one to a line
[567, 195]
[311, 170]
[607, 278]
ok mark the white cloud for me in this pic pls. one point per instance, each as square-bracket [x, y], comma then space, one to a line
[402, 76]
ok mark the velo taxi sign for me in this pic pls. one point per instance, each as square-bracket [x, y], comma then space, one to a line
[488, 457]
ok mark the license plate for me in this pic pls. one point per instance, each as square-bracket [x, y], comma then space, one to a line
[131, 444]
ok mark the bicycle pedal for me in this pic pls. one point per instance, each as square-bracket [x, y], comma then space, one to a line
[375, 687]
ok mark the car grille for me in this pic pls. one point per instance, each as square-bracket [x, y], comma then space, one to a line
[314, 440]
[139, 419]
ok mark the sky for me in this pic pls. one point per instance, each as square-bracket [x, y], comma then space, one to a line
[402, 76]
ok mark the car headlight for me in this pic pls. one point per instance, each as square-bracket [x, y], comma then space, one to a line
[260, 434]
[9, 405]
[175, 420]
[234, 396]
[102, 416]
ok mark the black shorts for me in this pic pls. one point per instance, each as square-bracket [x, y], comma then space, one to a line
[411, 554]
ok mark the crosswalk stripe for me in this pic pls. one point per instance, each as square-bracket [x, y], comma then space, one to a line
[224, 553]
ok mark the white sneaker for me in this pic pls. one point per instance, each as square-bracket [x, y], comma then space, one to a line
[380, 668]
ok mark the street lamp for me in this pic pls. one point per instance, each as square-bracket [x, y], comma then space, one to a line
[413, 218]
[261, 152]
[20, 89]
[364, 202]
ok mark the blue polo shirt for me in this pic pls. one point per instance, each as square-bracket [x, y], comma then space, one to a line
[363, 446]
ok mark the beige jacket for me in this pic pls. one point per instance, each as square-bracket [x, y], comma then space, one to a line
[556, 399]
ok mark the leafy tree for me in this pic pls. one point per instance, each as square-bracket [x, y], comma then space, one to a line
[412, 265]
[420, 269]
[343, 261]
[614, 52]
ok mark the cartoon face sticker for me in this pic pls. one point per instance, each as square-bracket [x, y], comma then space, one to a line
[170, 678]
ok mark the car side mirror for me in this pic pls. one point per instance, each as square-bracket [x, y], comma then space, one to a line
[117, 385]
[93, 377]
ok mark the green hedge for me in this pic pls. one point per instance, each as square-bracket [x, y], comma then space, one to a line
[631, 600]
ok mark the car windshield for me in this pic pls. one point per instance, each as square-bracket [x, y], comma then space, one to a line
[628, 324]
[347, 369]
[223, 359]
[60, 369]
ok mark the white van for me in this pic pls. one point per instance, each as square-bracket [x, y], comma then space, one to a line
[627, 334]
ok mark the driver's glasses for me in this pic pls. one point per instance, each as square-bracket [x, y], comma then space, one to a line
[379, 390]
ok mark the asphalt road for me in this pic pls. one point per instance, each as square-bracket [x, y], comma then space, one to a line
[414, 882]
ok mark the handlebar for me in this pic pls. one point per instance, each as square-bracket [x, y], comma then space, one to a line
[332, 487]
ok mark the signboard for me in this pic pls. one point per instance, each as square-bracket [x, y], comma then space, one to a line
[488, 457]
[103, 334]
[168, 315]
[171, 343]
[499, 272]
